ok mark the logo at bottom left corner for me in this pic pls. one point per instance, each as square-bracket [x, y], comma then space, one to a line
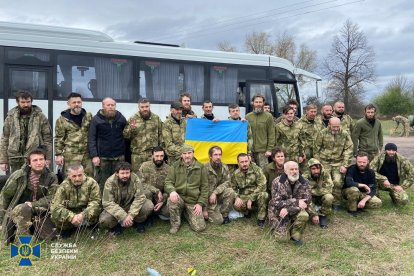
[25, 251]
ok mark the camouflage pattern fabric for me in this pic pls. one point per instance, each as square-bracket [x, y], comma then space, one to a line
[353, 195]
[173, 135]
[405, 123]
[347, 123]
[196, 222]
[289, 137]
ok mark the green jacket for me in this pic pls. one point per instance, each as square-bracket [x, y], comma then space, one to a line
[146, 135]
[335, 150]
[271, 172]
[69, 137]
[191, 183]
[217, 182]
[321, 186]
[263, 131]
[309, 132]
[404, 166]
[39, 133]
[173, 135]
[367, 138]
[250, 184]
[290, 138]
[112, 195]
[153, 177]
[70, 200]
[18, 185]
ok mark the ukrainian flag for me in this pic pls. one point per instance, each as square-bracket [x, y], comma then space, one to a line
[230, 135]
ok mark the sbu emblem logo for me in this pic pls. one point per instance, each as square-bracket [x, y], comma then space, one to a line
[25, 251]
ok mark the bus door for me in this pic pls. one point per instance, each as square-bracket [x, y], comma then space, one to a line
[265, 88]
[36, 79]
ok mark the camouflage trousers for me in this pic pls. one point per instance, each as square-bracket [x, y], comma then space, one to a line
[353, 195]
[138, 159]
[325, 203]
[399, 198]
[105, 170]
[260, 159]
[108, 221]
[338, 181]
[196, 222]
[154, 199]
[65, 224]
[221, 209]
[24, 217]
[295, 223]
[16, 164]
[75, 159]
[372, 154]
[260, 203]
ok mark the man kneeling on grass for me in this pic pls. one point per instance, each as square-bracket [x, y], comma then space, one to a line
[124, 201]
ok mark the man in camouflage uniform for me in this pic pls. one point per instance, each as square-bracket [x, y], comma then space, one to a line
[288, 135]
[187, 186]
[185, 100]
[291, 198]
[249, 184]
[404, 122]
[71, 135]
[360, 187]
[394, 173]
[321, 186]
[153, 174]
[263, 131]
[25, 129]
[208, 111]
[220, 191]
[173, 132]
[274, 169]
[322, 121]
[333, 148]
[347, 123]
[293, 104]
[144, 130]
[77, 202]
[309, 132]
[124, 201]
[25, 199]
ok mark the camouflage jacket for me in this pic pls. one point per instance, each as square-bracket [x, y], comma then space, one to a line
[217, 182]
[366, 137]
[263, 131]
[271, 172]
[319, 124]
[188, 112]
[309, 132]
[286, 195]
[119, 207]
[347, 123]
[191, 183]
[18, 188]
[70, 200]
[249, 136]
[280, 118]
[323, 184]
[404, 166]
[248, 185]
[39, 133]
[290, 138]
[153, 177]
[146, 135]
[335, 150]
[173, 135]
[69, 137]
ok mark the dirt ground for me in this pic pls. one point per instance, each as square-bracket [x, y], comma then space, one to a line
[405, 145]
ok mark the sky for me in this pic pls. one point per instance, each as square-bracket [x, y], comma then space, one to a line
[388, 25]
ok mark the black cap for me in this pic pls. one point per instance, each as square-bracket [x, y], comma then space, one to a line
[176, 105]
[391, 146]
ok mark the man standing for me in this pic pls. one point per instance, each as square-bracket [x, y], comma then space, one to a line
[333, 148]
[309, 131]
[321, 187]
[322, 120]
[360, 187]
[71, 135]
[293, 104]
[173, 132]
[220, 191]
[187, 186]
[291, 197]
[234, 112]
[144, 130]
[394, 173]
[106, 142]
[153, 174]
[263, 131]
[405, 124]
[208, 111]
[185, 100]
[124, 201]
[25, 129]
[77, 202]
[367, 135]
[347, 123]
[249, 184]
[274, 169]
[26, 197]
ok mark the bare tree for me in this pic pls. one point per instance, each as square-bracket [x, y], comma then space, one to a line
[349, 65]
[285, 47]
[258, 43]
[225, 46]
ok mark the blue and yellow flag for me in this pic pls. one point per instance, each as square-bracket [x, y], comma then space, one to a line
[230, 135]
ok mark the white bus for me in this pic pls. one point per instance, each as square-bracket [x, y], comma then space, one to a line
[51, 62]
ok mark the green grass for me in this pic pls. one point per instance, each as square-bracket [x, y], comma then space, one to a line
[377, 242]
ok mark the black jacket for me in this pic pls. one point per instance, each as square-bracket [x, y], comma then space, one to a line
[105, 138]
[354, 176]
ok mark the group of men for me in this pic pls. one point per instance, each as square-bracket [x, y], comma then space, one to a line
[309, 173]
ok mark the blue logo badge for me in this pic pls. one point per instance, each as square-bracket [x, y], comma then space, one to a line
[25, 251]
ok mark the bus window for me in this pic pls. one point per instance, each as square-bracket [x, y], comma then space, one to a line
[194, 81]
[33, 80]
[284, 92]
[27, 56]
[95, 77]
[223, 84]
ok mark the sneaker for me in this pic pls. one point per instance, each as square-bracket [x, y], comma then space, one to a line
[174, 230]
[323, 222]
[353, 213]
[140, 228]
[297, 242]
[116, 231]
[226, 220]
[261, 223]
